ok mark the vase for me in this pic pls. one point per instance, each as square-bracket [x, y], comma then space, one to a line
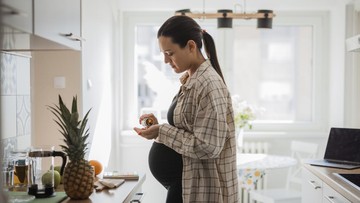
[239, 132]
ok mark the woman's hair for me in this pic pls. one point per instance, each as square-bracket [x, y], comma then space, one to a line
[181, 29]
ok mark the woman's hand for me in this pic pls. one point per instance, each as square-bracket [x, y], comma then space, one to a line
[149, 133]
[151, 116]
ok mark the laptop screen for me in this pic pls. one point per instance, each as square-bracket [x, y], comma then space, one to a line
[343, 145]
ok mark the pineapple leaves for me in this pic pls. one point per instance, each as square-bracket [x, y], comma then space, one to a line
[73, 130]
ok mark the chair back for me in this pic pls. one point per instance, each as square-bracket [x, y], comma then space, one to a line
[300, 151]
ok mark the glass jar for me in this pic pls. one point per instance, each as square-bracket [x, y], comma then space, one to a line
[18, 170]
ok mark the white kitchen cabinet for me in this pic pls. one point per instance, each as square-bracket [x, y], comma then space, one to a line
[311, 188]
[59, 21]
[320, 185]
[17, 14]
[331, 196]
[41, 24]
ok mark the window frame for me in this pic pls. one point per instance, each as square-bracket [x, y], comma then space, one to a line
[319, 20]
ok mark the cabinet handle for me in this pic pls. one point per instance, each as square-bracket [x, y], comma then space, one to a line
[73, 37]
[331, 199]
[313, 183]
[137, 197]
[8, 10]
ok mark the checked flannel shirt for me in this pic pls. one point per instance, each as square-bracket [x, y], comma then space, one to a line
[205, 136]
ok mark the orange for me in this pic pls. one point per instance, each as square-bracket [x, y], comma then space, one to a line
[97, 165]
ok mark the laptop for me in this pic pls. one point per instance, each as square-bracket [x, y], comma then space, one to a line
[342, 149]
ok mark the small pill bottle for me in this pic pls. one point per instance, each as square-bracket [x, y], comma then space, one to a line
[146, 122]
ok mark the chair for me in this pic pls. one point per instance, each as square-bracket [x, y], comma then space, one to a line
[292, 192]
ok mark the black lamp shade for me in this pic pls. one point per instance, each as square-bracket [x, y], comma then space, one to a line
[183, 11]
[224, 22]
[264, 22]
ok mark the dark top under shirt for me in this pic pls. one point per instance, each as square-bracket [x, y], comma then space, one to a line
[165, 164]
[170, 114]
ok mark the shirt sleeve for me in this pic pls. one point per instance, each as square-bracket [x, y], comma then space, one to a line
[210, 129]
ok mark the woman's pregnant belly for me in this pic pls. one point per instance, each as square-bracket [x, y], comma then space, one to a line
[165, 164]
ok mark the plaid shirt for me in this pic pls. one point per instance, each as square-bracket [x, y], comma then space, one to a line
[205, 136]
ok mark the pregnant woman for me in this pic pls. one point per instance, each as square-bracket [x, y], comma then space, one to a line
[194, 154]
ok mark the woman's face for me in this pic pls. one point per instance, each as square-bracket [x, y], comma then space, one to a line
[178, 58]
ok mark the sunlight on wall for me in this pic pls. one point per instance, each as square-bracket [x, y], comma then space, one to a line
[101, 142]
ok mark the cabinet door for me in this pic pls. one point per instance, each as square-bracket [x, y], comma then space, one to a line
[17, 14]
[331, 196]
[311, 188]
[58, 21]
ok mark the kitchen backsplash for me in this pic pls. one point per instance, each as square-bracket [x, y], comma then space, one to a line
[15, 102]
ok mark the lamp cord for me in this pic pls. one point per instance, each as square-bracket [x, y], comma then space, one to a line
[244, 6]
[203, 6]
[237, 5]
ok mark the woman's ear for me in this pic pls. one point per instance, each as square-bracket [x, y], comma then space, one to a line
[192, 45]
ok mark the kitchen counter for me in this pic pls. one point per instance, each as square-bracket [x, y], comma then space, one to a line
[339, 185]
[124, 193]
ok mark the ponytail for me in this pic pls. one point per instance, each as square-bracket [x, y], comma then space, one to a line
[209, 46]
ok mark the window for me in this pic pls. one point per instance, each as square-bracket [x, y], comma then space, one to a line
[274, 69]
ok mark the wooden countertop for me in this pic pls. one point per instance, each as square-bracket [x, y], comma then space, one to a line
[327, 176]
[124, 193]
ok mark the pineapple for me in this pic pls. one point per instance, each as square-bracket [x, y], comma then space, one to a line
[78, 177]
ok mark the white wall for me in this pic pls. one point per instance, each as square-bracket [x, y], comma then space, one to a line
[97, 68]
[352, 71]
[45, 66]
[228, 4]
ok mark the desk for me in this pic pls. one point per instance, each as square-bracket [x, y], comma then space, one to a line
[252, 167]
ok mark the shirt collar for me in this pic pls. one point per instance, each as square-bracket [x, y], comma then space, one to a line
[187, 81]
